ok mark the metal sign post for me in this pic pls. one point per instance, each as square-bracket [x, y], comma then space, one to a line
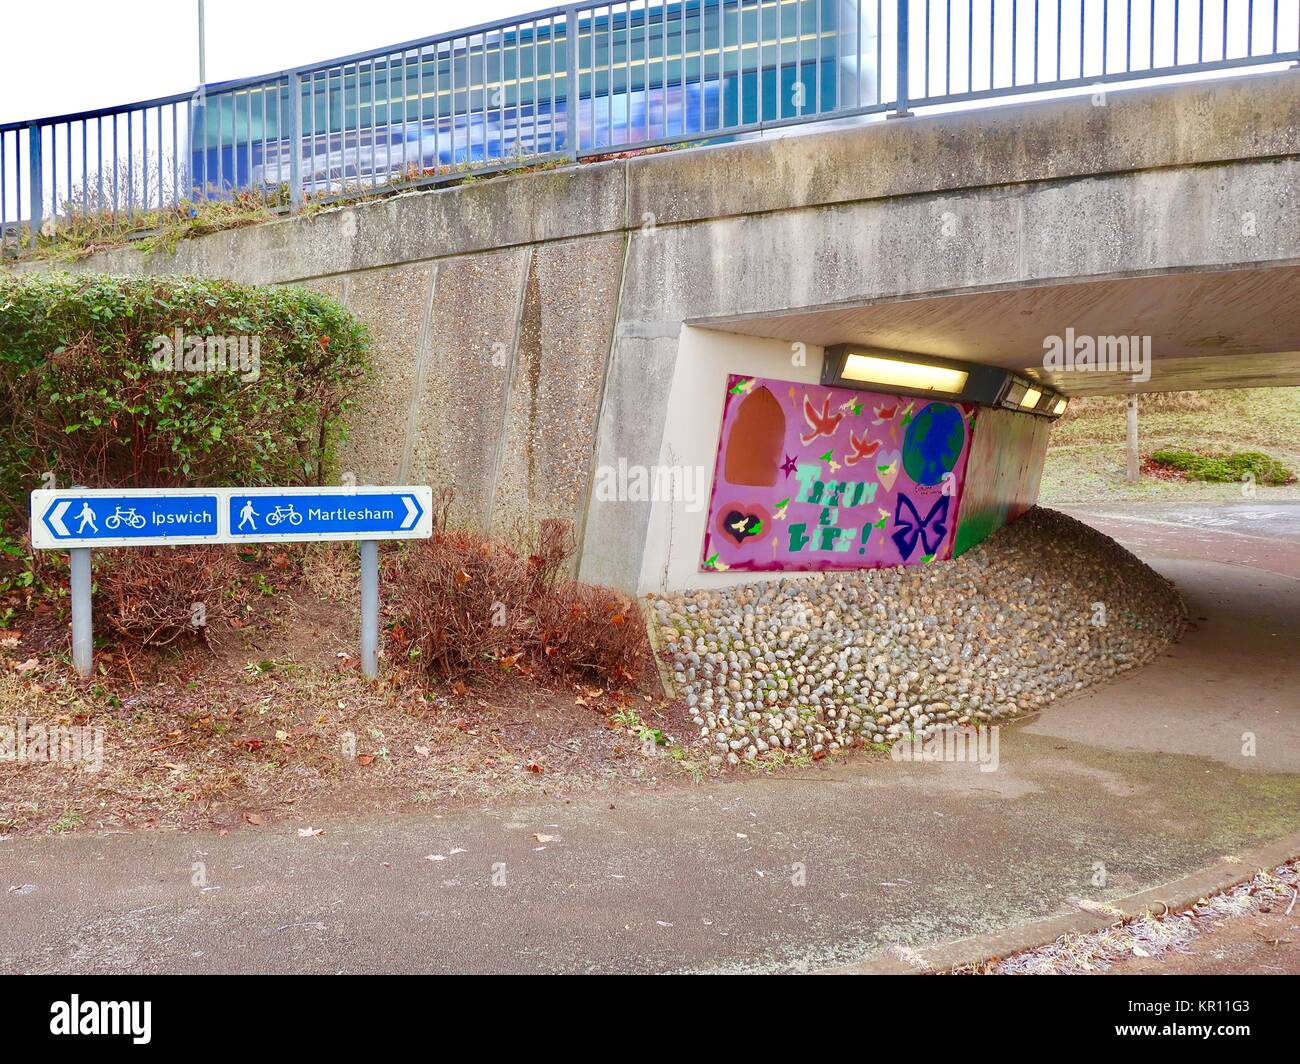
[83, 636]
[370, 607]
[79, 519]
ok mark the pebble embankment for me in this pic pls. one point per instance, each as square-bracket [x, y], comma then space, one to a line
[805, 666]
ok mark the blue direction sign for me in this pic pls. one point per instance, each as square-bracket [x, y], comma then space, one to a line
[306, 514]
[93, 518]
[141, 517]
[81, 518]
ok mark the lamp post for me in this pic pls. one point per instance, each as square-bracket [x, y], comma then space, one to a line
[203, 61]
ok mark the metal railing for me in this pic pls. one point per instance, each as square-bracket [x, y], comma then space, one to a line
[587, 79]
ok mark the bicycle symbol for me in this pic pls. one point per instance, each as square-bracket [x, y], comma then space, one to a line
[283, 513]
[128, 516]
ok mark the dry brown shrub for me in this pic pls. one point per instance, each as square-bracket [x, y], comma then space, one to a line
[465, 606]
[149, 596]
[591, 631]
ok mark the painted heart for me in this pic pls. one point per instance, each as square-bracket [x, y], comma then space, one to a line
[887, 468]
[740, 524]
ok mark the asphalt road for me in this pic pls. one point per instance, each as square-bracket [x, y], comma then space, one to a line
[1145, 778]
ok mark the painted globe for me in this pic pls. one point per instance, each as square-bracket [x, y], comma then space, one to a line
[933, 443]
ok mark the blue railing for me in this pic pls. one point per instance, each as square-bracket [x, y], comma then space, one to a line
[588, 79]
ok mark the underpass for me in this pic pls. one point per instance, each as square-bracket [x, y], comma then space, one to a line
[592, 318]
[1144, 779]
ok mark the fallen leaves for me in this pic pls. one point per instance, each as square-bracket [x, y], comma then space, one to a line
[310, 833]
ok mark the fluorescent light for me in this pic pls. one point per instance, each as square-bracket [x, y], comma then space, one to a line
[1015, 393]
[1060, 406]
[912, 376]
[1031, 398]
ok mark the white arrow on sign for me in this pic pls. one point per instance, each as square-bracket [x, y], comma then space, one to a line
[412, 513]
[56, 517]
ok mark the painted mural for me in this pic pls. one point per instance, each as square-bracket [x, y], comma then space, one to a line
[1003, 474]
[812, 478]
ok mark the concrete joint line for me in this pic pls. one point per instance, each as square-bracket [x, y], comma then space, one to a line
[962, 190]
[580, 536]
[499, 451]
[433, 260]
[424, 355]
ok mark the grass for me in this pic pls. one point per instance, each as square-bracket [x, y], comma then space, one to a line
[1086, 452]
[69, 820]
[82, 233]
[155, 230]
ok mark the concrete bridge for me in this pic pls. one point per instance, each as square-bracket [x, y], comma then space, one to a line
[535, 330]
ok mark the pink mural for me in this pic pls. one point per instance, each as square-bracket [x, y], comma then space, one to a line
[810, 477]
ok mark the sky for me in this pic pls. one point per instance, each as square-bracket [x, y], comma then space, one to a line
[118, 51]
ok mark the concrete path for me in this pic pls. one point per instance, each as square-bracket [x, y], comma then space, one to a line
[1144, 781]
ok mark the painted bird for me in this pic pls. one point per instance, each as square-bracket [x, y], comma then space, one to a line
[743, 527]
[823, 424]
[860, 448]
[885, 413]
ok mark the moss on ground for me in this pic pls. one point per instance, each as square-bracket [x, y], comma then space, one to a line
[1226, 468]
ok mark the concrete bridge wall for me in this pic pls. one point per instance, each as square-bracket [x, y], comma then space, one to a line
[532, 328]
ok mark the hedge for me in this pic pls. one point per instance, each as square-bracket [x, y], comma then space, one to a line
[165, 382]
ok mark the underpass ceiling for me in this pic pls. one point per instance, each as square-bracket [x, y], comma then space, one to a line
[1226, 329]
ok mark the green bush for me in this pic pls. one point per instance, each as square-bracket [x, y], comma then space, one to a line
[1224, 467]
[90, 394]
